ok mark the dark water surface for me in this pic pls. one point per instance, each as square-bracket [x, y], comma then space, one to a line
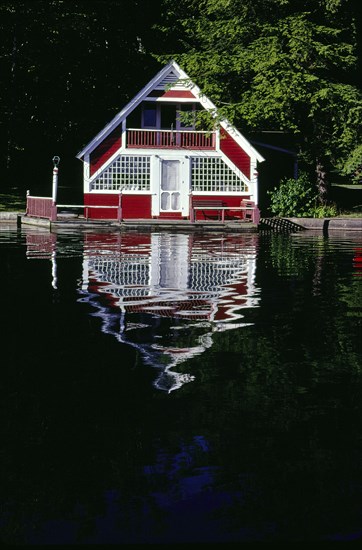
[177, 388]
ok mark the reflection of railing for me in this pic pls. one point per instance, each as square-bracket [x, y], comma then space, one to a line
[170, 139]
[41, 245]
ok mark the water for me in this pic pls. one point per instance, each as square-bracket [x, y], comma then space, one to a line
[177, 388]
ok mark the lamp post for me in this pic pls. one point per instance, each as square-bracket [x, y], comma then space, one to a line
[56, 161]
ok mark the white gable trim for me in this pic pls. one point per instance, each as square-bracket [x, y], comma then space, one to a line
[152, 84]
[171, 73]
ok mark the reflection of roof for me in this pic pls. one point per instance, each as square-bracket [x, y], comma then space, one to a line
[199, 287]
[191, 307]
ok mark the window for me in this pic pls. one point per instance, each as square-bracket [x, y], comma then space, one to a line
[212, 174]
[149, 118]
[128, 173]
[168, 117]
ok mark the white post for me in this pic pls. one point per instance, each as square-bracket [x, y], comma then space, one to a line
[56, 161]
[254, 183]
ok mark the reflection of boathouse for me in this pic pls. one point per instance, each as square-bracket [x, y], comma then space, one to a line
[165, 294]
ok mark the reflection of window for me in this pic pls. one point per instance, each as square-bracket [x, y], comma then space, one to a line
[149, 116]
[128, 269]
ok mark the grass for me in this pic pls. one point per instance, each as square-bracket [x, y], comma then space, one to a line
[351, 214]
[352, 186]
[12, 202]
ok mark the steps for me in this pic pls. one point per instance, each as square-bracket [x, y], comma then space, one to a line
[280, 225]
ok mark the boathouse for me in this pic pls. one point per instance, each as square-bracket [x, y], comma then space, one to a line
[148, 163]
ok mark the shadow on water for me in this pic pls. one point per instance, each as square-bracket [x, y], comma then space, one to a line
[177, 388]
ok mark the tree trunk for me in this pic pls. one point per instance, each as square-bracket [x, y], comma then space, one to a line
[322, 183]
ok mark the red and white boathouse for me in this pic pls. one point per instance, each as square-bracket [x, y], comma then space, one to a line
[147, 164]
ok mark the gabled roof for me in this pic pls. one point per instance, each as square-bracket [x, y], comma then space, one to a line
[170, 75]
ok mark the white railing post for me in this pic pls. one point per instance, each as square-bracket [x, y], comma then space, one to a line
[56, 161]
[27, 202]
[53, 214]
[119, 209]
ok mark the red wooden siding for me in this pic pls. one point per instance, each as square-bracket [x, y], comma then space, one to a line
[105, 150]
[235, 153]
[136, 206]
[93, 199]
[133, 206]
[178, 93]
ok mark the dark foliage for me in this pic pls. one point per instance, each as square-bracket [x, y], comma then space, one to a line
[67, 68]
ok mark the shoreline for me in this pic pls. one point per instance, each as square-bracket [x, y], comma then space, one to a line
[316, 224]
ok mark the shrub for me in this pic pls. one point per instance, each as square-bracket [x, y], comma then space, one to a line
[294, 198]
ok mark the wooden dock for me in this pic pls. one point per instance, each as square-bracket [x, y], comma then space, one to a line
[286, 225]
[71, 221]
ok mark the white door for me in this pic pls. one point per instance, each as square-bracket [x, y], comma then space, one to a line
[170, 195]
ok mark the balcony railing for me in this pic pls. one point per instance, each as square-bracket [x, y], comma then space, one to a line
[170, 139]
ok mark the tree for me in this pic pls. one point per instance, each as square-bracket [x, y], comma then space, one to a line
[66, 68]
[286, 65]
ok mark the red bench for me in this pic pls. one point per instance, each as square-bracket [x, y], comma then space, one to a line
[210, 209]
[218, 209]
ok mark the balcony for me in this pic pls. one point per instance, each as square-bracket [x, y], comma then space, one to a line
[170, 139]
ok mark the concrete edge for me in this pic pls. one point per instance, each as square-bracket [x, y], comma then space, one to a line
[40, 222]
[323, 224]
[10, 216]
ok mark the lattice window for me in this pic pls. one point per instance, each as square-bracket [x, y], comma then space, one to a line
[129, 173]
[213, 174]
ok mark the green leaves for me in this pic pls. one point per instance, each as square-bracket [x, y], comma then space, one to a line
[298, 198]
[277, 65]
[293, 198]
[352, 167]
